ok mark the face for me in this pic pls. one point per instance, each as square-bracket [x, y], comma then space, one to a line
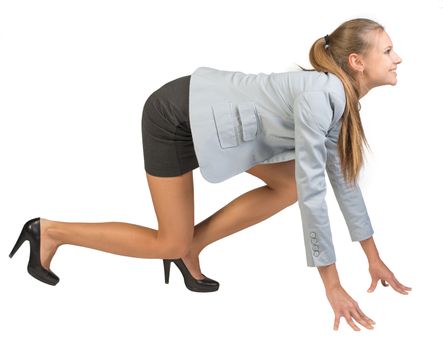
[378, 66]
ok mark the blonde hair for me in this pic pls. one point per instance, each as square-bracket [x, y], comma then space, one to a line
[350, 37]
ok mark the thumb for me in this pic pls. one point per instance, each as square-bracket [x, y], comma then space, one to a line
[373, 286]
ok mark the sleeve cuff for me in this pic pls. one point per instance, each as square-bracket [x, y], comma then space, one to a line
[360, 236]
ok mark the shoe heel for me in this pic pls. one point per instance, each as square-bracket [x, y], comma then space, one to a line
[167, 268]
[18, 244]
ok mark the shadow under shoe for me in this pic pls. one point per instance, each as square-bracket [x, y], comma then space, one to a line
[31, 233]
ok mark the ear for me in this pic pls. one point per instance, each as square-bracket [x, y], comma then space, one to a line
[356, 62]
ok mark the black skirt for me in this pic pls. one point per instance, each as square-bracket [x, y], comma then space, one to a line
[168, 149]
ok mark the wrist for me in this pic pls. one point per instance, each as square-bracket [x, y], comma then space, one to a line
[329, 276]
[370, 249]
[373, 259]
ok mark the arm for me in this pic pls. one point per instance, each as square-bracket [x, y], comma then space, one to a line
[368, 246]
[329, 276]
[349, 198]
[316, 137]
[354, 211]
[312, 120]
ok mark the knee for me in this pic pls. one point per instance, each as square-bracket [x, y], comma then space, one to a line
[289, 194]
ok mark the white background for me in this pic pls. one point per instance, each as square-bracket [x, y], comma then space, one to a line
[74, 78]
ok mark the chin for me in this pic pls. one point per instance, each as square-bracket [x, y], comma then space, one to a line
[392, 82]
[394, 79]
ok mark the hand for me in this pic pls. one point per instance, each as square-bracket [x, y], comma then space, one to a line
[379, 271]
[344, 305]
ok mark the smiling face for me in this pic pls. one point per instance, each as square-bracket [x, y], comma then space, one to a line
[378, 66]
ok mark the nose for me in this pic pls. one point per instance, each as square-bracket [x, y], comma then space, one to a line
[398, 59]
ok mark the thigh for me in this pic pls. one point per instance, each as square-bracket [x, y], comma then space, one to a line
[279, 176]
[173, 200]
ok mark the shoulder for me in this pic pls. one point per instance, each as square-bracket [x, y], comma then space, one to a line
[323, 94]
[315, 81]
[327, 82]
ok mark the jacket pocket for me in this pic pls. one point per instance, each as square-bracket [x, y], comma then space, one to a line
[225, 124]
[248, 119]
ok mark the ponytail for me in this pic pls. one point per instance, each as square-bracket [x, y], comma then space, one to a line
[349, 37]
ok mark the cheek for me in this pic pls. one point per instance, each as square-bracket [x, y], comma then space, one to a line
[380, 72]
[373, 74]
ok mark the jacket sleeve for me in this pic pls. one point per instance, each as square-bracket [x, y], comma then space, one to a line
[349, 197]
[313, 116]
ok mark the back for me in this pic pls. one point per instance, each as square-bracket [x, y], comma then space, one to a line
[239, 120]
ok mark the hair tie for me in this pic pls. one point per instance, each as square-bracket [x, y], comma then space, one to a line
[326, 41]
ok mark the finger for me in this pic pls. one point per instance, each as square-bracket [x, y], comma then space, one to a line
[383, 282]
[350, 322]
[356, 316]
[403, 286]
[364, 316]
[336, 322]
[396, 286]
[373, 286]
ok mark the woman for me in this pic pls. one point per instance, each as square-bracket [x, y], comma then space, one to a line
[284, 128]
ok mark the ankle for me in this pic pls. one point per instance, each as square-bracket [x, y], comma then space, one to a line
[49, 231]
[193, 253]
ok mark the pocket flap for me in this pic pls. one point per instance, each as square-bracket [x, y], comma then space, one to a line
[248, 120]
[224, 121]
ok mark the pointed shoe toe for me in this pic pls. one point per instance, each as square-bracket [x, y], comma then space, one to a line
[210, 282]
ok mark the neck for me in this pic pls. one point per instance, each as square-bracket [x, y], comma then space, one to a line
[363, 88]
[362, 93]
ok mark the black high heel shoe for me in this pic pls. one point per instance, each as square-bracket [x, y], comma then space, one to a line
[195, 285]
[31, 232]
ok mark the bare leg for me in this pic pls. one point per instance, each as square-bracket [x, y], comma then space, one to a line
[172, 197]
[246, 210]
[138, 241]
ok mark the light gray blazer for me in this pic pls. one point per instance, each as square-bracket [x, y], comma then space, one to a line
[239, 120]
